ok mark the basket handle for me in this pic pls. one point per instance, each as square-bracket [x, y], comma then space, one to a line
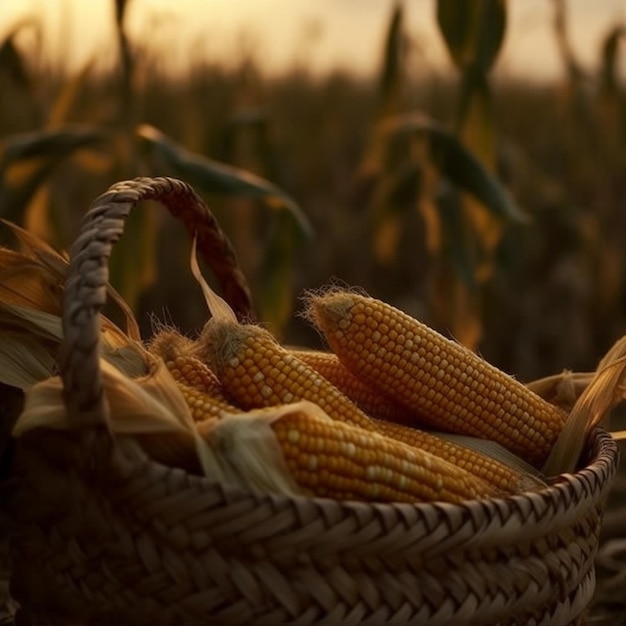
[85, 287]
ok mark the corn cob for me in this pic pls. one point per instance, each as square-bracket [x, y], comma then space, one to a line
[369, 400]
[200, 387]
[298, 449]
[340, 461]
[205, 406]
[504, 479]
[264, 345]
[192, 372]
[256, 371]
[198, 384]
[445, 385]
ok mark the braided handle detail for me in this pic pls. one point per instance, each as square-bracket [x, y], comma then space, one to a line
[85, 288]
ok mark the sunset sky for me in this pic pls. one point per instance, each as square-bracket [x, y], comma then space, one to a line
[322, 35]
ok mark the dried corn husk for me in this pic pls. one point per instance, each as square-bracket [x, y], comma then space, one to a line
[531, 477]
[606, 389]
[30, 340]
[562, 389]
[246, 452]
[31, 288]
[150, 405]
[218, 307]
[34, 278]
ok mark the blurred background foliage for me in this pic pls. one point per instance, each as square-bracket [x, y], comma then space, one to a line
[492, 210]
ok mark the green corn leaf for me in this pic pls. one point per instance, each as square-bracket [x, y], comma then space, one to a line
[475, 124]
[459, 245]
[133, 265]
[392, 67]
[28, 159]
[609, 80]
[402, 187]
[456, 163]
[276, 293]
[395, 195]
[473, 31]
[215, 177]
[11, 59]
[461, 167]
[575, 72]
[53, 144]
[60, 109]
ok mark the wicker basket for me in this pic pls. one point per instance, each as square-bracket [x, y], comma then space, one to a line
[104, 535]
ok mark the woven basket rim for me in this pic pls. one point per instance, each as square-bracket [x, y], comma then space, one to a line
[604, 450]
[489, 521]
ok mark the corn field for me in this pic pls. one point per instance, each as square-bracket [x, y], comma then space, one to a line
[492, 210]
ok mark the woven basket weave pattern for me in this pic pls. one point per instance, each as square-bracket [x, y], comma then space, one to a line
[104, 535]
[145, 540]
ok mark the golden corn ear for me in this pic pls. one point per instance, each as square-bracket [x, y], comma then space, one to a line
[368, 399]
[256, 371]
[200, 387]
[338, 460]
[445, 385]
[204, 406]
[504, 479]
[191, 371]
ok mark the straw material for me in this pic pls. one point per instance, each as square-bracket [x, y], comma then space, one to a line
[104, 534]
[131, 541]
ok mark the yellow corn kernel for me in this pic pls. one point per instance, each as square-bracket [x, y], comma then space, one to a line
[368, 399]
[341, 461]
[504, 479]
[198, 384]
[191, 371]
[205, 406]
[200, 387]
[256, 371]
[445, 385]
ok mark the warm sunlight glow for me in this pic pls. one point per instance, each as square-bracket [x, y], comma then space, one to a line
[283, 34]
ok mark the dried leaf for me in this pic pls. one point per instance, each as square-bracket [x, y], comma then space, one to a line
[23, 360]
[218, 307]
[606, 389]
[151, 405]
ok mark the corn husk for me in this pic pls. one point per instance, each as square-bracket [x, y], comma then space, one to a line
[246, 452]
[562, 389]
[239, 449]
[30, 341]
[218, 307]
[150, 408]
[35, 278]
[606, 389]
